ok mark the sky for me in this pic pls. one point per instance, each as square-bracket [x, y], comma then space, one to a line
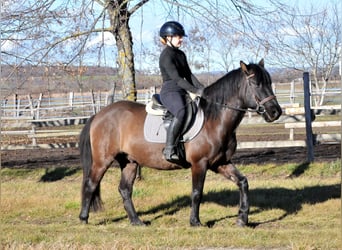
[146, 22]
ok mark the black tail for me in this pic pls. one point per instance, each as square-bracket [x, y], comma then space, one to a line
[85, 148]
[86, 162]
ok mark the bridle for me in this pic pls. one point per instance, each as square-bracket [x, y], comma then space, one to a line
[260, 108]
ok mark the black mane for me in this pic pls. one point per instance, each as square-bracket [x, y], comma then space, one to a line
[220, 92]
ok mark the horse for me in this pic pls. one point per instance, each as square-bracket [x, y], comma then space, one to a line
[115, 133]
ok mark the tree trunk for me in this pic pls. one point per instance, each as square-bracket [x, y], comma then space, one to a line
[119, 17]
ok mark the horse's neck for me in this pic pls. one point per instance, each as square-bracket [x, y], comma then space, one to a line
[232, 118]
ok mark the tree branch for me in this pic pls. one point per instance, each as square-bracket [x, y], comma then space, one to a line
[137, 6]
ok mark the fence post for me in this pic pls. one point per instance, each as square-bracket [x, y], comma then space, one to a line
[292, 92]
[308, 117]
[38, 105]
[71, 99]
[98, 104]
[106, 99]
[31, 106]
[16, 105]
[33, 133]
[93, 102]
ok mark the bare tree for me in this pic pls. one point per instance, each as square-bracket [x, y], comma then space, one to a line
[59, 32]
[119, 17]
[304, 41]
[52, 32]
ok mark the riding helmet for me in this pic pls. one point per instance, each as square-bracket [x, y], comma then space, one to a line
[171, 28]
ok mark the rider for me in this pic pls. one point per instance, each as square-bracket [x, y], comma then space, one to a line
[177, 80]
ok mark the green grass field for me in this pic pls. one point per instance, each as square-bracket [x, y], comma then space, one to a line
[40, 207]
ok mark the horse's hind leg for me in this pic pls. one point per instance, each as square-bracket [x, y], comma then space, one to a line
[91, 190]
[128, 175]
[233, 174]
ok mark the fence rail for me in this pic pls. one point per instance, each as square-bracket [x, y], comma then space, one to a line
[43, 106]
[68, 127]
[35, 115]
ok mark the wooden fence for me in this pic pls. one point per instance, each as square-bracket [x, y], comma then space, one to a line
[68, 127]
[29, 115]
[44, 106]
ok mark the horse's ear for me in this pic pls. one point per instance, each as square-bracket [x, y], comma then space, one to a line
[262, 63]
[243, 67]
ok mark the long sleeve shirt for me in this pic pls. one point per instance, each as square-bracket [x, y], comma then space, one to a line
[176, 71]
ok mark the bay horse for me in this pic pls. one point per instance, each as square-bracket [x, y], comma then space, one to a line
[116, 133]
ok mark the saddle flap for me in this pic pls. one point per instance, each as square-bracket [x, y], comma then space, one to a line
[155, 131]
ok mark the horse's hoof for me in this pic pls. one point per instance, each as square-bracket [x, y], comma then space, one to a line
[83, 219]
[138, 223]
[241, 223]
[84, 222]
[196, 224]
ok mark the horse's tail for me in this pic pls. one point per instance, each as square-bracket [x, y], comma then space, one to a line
[86, 162]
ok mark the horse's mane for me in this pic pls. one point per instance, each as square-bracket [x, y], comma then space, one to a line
[220, 92]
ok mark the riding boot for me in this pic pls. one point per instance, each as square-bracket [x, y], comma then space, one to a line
[172, 139]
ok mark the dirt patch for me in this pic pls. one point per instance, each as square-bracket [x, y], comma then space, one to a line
[69, 157]
[323, 152]
[40, 158]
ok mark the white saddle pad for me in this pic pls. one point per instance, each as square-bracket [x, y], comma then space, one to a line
[154, 130]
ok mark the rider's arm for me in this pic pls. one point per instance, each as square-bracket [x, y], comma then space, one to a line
[169, 66]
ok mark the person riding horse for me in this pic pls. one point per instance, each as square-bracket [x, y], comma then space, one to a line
[177, 80]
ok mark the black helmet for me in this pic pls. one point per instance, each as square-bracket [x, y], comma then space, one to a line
[171, 28]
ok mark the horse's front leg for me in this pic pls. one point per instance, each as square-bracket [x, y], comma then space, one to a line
[198, 178]
[128, 174]
[233, 174]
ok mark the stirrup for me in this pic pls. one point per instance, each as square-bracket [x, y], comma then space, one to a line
[173, 155]
[170, 153]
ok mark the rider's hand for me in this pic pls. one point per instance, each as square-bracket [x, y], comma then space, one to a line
[199, 92]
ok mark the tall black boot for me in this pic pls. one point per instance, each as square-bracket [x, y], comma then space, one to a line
[172, 139]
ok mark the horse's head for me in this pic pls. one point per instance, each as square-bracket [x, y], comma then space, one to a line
[258, 93]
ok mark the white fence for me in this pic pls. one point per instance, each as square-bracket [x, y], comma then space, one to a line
[30, 113]
[68, 127]
[44, 106]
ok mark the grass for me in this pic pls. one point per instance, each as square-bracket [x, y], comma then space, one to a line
[39, 210]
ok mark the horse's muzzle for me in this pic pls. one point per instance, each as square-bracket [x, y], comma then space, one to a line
[268, 108]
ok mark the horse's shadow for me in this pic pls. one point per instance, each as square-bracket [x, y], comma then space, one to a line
[56, 174]
[263, 198]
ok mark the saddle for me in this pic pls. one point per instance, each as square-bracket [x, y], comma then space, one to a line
[159, 118]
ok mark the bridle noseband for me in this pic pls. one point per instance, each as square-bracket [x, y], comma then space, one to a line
[260, 108]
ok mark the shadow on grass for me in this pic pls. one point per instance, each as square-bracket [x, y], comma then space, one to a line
[300, 169]
[288, 200]
[56, 174]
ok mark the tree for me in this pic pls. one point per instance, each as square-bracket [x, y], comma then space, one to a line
[62, 32]
[57, 32]
[119, 18]
[305, 41]
[51, 31]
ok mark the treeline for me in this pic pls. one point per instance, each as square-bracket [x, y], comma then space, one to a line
[61, 79]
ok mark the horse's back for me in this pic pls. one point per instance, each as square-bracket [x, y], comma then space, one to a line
[115, 125]
[120, 111]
